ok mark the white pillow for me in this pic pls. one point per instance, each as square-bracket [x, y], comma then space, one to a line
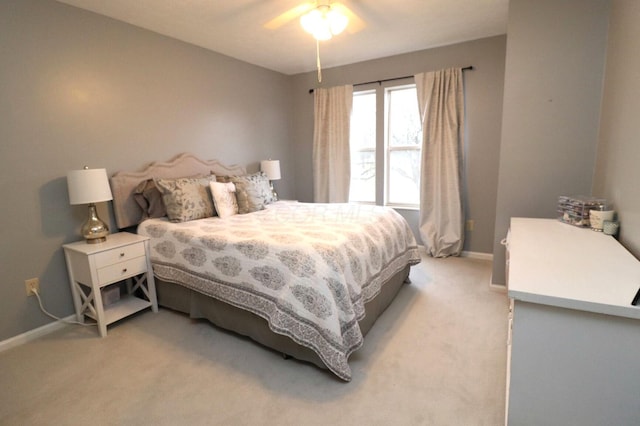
[224, 197]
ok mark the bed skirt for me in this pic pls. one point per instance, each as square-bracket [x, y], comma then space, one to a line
[228, 317]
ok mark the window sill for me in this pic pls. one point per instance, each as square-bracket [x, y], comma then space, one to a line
[393, 206]
[403, 207]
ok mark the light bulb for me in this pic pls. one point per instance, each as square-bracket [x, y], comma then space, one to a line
[322, 33]
[337, 21]
[324, 22]
[310, 21]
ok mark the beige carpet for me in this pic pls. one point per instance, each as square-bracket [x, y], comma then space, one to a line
[437, 356]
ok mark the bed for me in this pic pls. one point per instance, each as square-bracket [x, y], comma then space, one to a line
[307, 280]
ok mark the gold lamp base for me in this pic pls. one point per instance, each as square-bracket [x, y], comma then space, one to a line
[94, 230]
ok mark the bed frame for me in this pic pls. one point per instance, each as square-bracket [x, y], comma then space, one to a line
[177, 297]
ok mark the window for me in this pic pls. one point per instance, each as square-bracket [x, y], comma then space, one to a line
[400, 141]
[362, 144]
[403, 146]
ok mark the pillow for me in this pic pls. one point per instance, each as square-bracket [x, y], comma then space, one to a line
[187, 198]
[224, 198]
[149, 199]
[261, 180]
[265, 185]
[252, 192]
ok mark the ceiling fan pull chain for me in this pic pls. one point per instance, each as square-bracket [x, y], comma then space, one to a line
[318, 61]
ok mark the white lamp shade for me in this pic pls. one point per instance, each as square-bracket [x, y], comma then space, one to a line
[271, 168]
[88, 186]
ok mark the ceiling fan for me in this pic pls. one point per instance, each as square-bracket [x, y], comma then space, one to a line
[322, 20]
[335, 14]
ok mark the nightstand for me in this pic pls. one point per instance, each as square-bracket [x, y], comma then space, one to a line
[92, 267]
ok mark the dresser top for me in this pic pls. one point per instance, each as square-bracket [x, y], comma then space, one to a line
[558, 264]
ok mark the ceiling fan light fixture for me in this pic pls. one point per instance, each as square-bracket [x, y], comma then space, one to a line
[322, 34]
[323, 22]
[337, 21]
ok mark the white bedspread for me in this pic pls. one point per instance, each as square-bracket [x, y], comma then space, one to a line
[308, 269]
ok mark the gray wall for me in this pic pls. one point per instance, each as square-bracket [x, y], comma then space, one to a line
[552, 93]
[617, 164]
[77, 88]
[484, 92]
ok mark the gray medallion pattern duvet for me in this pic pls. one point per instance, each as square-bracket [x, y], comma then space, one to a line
[308, 269]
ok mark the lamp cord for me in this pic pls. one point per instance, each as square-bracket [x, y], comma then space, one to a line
[55, 317]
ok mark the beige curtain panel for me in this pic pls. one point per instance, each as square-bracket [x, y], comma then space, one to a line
[331, 159]
[441, 102]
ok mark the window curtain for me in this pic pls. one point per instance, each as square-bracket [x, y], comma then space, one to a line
[441, 103]
[331, 160]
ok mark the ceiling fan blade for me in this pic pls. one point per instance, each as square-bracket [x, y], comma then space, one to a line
[355, 23]
[289, 15]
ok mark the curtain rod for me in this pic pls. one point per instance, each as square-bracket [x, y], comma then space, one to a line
[469, 68]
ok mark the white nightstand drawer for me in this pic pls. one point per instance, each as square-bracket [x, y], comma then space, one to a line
[120, 254]
[122, 270]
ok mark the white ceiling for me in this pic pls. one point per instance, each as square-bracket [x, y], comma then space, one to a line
[236, 27]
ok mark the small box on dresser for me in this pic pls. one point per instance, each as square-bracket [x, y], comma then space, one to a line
[575, 209]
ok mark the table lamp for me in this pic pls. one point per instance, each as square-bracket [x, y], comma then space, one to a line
[272, 169]
[90, 186]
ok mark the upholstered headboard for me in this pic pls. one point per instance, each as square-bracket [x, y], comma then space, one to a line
[128, 212]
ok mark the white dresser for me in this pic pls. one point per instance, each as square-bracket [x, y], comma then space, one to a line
[575, 337]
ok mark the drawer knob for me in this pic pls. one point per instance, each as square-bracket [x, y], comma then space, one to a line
[121, 254]
[124, 270]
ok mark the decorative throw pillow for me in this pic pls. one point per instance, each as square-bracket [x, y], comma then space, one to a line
[187, 198]
[149, 199]
[265, 187]
[252, 192]
[224, 198]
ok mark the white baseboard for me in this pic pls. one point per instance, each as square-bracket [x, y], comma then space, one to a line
[477, 255]
[31, 335]
[502, 288]
[498, 287]
[469, 254]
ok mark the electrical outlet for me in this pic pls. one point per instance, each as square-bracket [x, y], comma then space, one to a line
[31, 285]
[470, 224]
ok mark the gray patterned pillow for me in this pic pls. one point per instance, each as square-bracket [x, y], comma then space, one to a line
[187, 198]
[252, 192]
